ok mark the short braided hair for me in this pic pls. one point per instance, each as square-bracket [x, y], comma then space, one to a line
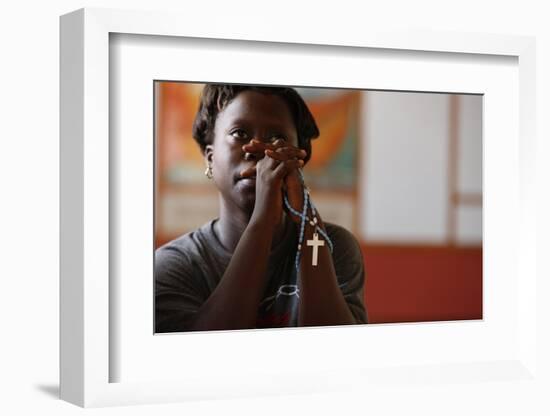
[215, 97]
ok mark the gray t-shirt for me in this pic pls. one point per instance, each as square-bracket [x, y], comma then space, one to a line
[188, 269]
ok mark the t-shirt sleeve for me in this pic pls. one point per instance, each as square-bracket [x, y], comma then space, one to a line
[178, 295]
[350, 271]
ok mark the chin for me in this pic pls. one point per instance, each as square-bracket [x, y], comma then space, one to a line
[245, 198]
[247, 205]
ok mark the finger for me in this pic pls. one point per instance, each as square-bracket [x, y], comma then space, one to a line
[265, 164]
[282, 143]
[258, 153]
[271, 163]
[292, 151]
[254, 145]
[281, 156]
[258, 147]
[285, 153]
[279, 142]
[287, 166]
[248, 173]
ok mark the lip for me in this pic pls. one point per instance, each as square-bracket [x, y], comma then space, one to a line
[248, 181]
[240, 178]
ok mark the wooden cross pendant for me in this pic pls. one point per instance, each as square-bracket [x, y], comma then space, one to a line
[316, 243]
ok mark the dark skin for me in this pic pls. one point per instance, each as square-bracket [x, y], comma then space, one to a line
[254, 157]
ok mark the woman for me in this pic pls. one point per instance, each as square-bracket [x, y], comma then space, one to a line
[268, 260]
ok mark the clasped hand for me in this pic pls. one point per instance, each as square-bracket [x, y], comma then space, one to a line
[278, 171]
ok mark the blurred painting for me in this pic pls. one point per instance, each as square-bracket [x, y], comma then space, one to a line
[331, 174]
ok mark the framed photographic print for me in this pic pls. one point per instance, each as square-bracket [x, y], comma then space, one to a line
[415, 162]
[413, 157]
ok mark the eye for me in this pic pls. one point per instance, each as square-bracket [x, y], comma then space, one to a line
[239, 134]
[276, 136]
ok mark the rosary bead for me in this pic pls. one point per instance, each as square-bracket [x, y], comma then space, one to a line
[303, 219]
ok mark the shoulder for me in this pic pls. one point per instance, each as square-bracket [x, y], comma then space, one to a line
[345, 243]
[338, 231]
[350, 269]
[184, 249]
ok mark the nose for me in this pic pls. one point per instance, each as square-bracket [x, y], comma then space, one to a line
[250, 157]
[254, 156]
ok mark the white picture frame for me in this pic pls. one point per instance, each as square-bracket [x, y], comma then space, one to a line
[86, 356]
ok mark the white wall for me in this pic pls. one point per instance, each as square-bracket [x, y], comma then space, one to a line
[470, 109]
[405, 143]
[470, 159]
[405, 156]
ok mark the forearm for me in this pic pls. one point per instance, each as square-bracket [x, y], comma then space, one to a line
[234, 302]
[321, 300]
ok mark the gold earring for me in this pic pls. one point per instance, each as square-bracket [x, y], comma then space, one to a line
[208, 171]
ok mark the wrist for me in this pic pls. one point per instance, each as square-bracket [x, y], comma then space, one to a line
[294, 218]
[263, 224]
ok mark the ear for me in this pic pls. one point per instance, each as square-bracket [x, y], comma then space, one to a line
[208, 153]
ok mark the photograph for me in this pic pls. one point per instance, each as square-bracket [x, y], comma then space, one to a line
[262, 212]
[292, 206]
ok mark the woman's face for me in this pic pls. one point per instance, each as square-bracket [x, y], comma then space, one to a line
[250, 115]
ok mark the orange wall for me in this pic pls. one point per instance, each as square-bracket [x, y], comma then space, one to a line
[405, 284]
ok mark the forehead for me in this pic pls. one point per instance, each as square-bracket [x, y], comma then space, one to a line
[253, 107]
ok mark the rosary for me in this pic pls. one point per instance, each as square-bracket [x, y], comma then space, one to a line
[315, 243]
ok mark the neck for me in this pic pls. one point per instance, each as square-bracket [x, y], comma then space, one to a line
[232, 223]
